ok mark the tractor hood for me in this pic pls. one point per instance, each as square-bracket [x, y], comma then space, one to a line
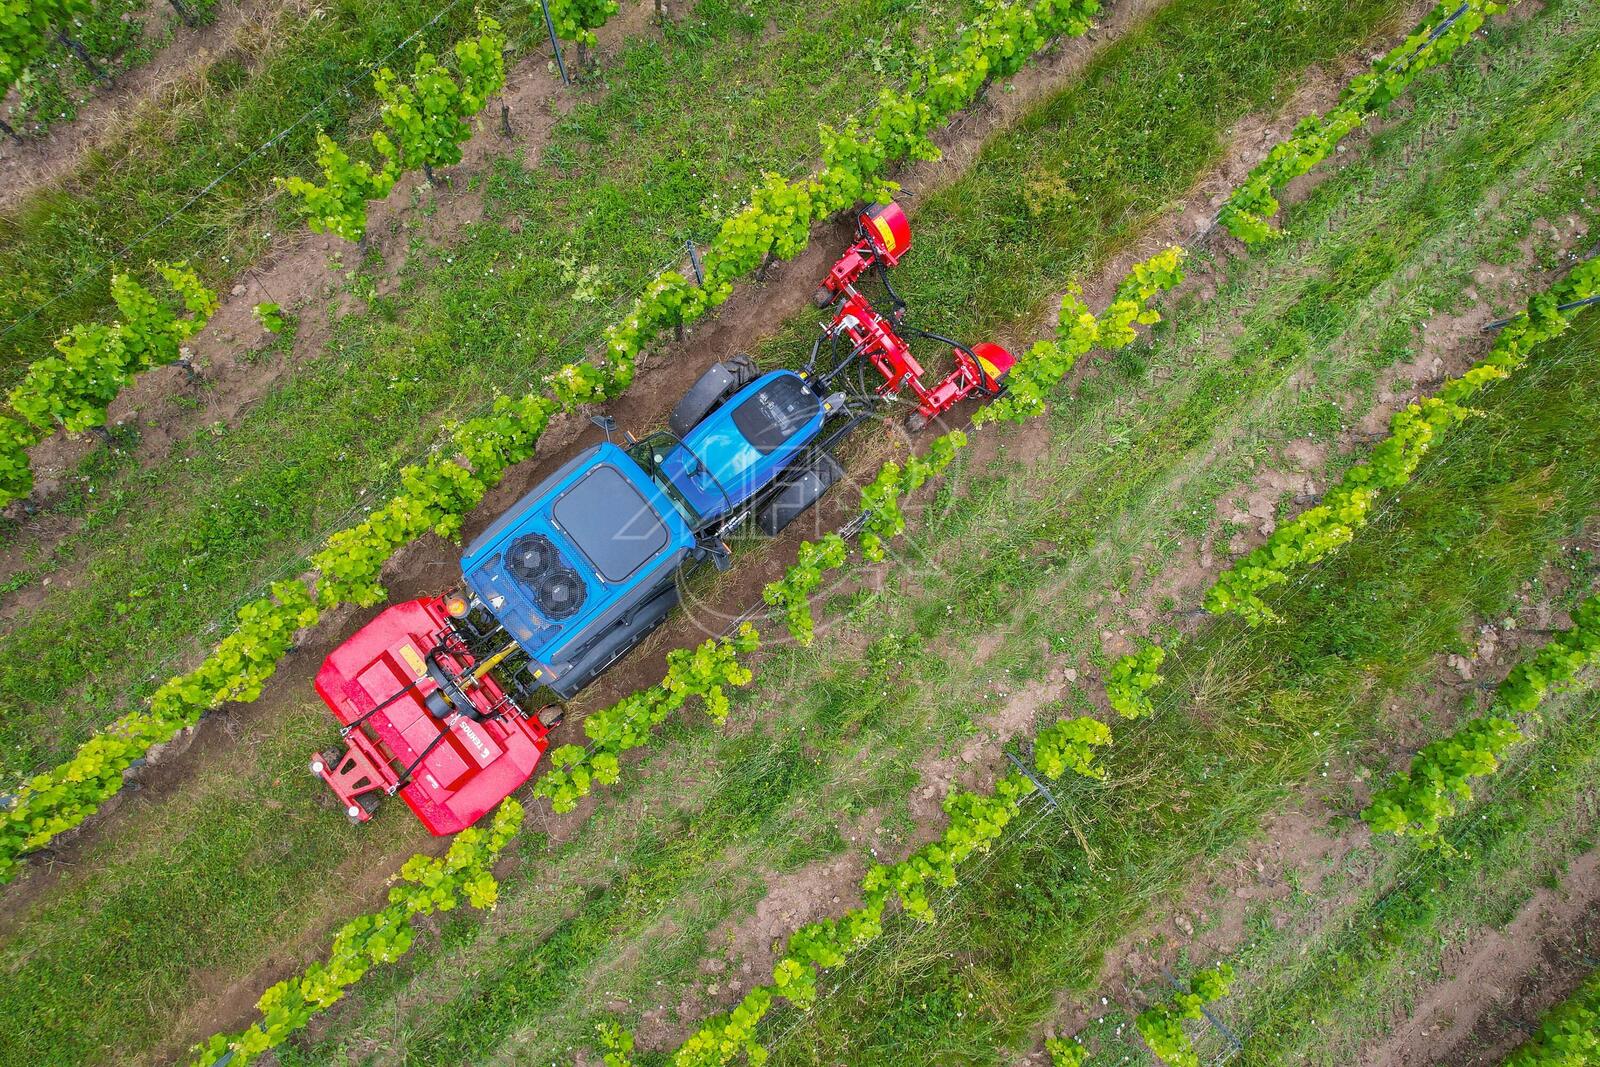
[740, 447]
[567, 552]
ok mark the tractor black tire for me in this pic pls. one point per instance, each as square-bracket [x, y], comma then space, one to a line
[800, 489]
[718, 383]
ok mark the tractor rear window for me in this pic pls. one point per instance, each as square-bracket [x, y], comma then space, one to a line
[773, 415]
[611, 523]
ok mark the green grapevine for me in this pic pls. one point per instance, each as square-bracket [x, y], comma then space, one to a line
[270, 316]
[705, 672]
[1569, 1036]
[427, 119]
[1130, 679]
[576, 20]
[1327, 527]
[1069, 744]
[339, 205]
[93, 362]
[617, 1043]
[427, 885]
[1066, 1052]
[975, 822]
[1250, 206]
[1162, 1026]
[1415, 804]
[26, 32]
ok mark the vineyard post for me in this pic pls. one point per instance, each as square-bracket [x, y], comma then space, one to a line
[183, 12]
[505, 119]
[1044, 790]
[77, 49]
[550, 27]
[1210, 1018]
[699, 278]
[5, 128]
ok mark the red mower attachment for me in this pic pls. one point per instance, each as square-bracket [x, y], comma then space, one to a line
[885, 236]
[423, 718]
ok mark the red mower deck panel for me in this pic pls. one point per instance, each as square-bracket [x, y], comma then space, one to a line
[462, 774]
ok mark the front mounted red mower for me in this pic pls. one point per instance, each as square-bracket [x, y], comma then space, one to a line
[884, 236]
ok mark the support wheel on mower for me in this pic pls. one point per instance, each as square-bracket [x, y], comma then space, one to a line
[552, 714]
[916, 422]
[368, 802]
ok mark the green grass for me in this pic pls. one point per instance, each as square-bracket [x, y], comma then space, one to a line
[829, 738]
[57, 247]
[166, 552]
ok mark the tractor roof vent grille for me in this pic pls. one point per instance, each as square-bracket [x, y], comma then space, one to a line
[530, 557]
[560, 593]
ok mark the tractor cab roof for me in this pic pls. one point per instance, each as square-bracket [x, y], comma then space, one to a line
[584, 539]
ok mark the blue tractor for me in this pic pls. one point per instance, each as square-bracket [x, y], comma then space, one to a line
[449, 700]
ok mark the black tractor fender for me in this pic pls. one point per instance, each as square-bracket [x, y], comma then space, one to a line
[720, 381]
[797, 489]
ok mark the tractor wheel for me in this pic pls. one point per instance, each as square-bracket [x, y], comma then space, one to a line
[802, 488]
[718, 383]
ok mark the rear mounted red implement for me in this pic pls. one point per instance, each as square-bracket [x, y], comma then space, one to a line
[423, 718]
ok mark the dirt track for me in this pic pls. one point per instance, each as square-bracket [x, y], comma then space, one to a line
[43, 161]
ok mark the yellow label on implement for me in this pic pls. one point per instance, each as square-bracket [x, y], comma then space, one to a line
[413, 660]
[885, 234]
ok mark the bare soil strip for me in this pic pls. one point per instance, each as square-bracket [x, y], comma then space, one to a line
[48, 160]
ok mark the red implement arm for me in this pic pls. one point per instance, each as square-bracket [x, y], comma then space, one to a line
[885, 236]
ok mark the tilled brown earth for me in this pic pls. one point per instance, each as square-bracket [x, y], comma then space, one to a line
[40, 162]
[1501, 983]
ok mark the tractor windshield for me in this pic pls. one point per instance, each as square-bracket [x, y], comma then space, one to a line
[652, 455]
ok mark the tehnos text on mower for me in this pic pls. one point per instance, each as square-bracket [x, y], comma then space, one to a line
[449, 701]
